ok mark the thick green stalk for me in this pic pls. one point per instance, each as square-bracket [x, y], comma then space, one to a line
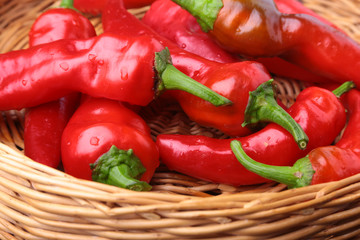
[262, 107]
[67, 4]
[299, 175]
[120, 168]
[343, 88]
[205, 11]
[171, 78]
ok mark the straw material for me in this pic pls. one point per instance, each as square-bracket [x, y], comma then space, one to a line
[38, 202]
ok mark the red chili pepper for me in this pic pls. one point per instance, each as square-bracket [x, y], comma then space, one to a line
[295, 6]
[124, 68]
[317, 110]
[96, 126]
[284, 68]
[187, 34]
[323, 164]
[258, 29]
[232, 80]
[44, 124]
[176, 24]
[95, 7]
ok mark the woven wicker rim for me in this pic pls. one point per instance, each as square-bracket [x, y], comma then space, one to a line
[37, 202]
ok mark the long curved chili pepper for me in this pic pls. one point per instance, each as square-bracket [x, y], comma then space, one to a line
[98, 125]
[44, 124]
[232, 80]
[317, 110]
[125, 68]
[257, 29]
[187, 34]
[323, 164]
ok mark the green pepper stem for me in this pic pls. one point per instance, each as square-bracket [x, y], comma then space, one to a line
[67, 4]
[299, 175]
[205, 11]
[262, 107]
[172, 79]
[119, 168]
[343, 88]
[120, 176]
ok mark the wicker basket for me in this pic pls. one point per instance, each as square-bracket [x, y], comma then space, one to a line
[37, 202]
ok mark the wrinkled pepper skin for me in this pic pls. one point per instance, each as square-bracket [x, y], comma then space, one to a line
[97, 125]
[187, 34]
[44, 124]
[317, 110]
[95, 7]
[257, 29]
[108, 65]
[60, 23]
[232, 80]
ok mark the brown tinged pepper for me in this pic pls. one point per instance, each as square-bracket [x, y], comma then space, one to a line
[317, 110]
[257, 29]
[44, 124]
[176, 24]
[125, 68]
[321, 165]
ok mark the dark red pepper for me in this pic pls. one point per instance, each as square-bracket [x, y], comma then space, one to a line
[44, 124]
[187, 34]
[125, 68]
[96, 126]
[317, 110]
[323, 164]
[232, 80]
[95, 7]
[284, 68]
[257, 29]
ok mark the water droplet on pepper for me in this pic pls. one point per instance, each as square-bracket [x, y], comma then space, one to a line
[94, 141]
[64, 66]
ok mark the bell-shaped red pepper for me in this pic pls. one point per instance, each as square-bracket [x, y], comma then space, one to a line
[125, 68]
[258, 29]
[44, 124]
[232, 80]
[98, 125]
[317, 110]
[323, 164]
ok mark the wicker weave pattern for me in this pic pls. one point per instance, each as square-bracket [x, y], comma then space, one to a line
[38, 202]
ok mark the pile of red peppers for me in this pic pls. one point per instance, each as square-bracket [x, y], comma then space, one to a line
[82, 91]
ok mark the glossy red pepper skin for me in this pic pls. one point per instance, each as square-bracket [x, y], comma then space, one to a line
[44, 124]
[187, 34]
[176, 24]
[295, 6]
[317, 110]
[231, 80]
[97, 125]
[284, 68]
[60, 23]
[95, 7]
[337, 162]
[108, 65]
[257, 29]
